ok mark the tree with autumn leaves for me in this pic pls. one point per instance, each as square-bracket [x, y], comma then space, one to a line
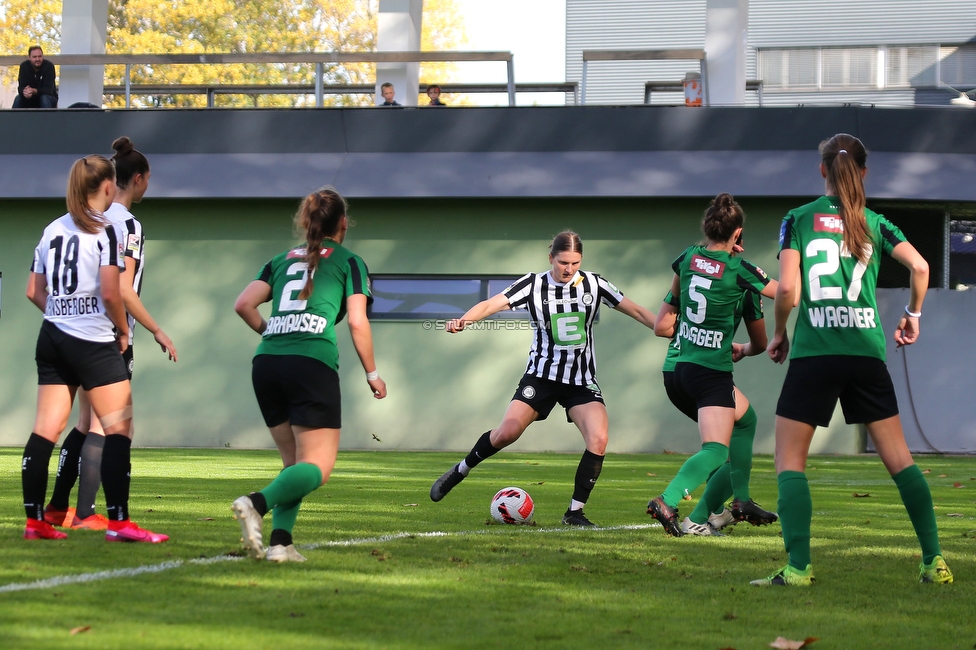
[238, 26]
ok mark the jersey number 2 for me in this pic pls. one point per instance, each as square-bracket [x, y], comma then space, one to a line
[293, 288]
[834, 251]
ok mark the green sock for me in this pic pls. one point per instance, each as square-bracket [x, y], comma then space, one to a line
[285, 514]
[795, 512]
[717, 490]
[292, 484]
[917, 497]
[694, 472]
[740, 453]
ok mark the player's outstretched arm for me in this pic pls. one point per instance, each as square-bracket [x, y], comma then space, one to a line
[639, 313]
[907, 330]
[246, 305]
[362, 340]
[484, 309]
[133, 305]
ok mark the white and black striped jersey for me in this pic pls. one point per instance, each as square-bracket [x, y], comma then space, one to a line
[563, 316]
[133, 242]
[70, 259]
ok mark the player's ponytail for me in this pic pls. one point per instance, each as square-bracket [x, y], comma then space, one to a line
[318, 218]
[128, 161]
[844, 158]
[566, 241]
[722, 218]
[84, 179]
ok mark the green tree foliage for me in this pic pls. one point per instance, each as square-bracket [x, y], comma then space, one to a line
[238, 26]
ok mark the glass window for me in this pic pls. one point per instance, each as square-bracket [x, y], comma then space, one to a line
[958, 66]
[431, 297]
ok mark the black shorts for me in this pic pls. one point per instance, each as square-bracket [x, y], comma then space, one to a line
[814, 384]
[297, 389]
[543, 395]
[679, 398]
[703, 386]
[63, 359]
[129, 361]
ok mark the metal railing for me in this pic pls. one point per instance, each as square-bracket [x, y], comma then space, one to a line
[677, 86]
[665, 54]
[320, 59]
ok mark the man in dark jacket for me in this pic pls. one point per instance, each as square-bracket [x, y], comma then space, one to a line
[35, 84]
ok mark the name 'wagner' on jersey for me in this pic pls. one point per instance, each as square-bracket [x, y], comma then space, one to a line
[838, 309]
[563, 315]
[70, 259]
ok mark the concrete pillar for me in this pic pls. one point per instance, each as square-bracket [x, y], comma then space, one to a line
[83, 27]
[399, 31]
[726, 33]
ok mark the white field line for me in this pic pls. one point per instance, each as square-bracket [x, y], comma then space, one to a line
[79, 578]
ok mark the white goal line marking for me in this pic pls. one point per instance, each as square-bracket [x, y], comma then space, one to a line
[80, 578]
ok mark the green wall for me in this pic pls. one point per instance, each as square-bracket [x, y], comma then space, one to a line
[444, 390]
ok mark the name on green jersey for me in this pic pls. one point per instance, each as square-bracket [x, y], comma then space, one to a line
[842, 316]
[700, 336]
[304, 322]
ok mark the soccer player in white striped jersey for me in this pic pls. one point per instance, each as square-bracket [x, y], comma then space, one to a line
[74, 281]
[81, 451]
[563, 303]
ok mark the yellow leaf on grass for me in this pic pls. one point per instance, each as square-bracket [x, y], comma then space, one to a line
[861, 495]
[926, 471]
[943, 475]
[954, 514]
[957, 484]
[80, 629]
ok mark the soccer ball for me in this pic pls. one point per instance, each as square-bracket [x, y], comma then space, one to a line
[512, 505]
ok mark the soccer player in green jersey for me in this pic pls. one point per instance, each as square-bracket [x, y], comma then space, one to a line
[732, 478]
[834, 244]
[312, 287]
[711, 283]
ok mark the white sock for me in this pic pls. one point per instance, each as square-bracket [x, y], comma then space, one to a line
[576, 505]
[463, 468]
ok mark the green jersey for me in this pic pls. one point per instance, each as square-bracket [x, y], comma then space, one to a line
[749, 307]
[838, 308]
[307, 327]
[712, 285]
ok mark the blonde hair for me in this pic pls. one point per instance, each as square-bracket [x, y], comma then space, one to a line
[84, 179]
[844, 157]
[318, 218]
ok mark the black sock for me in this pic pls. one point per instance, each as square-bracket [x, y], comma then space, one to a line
[280, 537]
[482, 450]
[90, 474]
[587, 472]
[259, 502]
[116, 470]
[33, 474]
[68, 463]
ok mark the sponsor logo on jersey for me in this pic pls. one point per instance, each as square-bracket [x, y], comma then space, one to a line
[587, 299]
[292, 323]
[528, 392]
[134, 243]
[827, 223]
[783, 229]
[706, 266]
[296, 252]
[121, 249]
[325, 252]
[842, 316]
[561, 301]
[611, 285]
[568, 330]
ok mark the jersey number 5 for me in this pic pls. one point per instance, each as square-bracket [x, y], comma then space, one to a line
[834, 251]
[65, 279]
[697, 282]
[293, 288]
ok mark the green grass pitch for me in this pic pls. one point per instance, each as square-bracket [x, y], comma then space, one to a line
[377, 578]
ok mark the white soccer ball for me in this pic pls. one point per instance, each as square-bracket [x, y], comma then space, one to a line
[512, 505]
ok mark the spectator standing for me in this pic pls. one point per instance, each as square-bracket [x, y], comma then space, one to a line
[36, 82]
